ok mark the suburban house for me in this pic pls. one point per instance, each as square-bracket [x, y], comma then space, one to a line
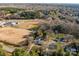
[9, 23]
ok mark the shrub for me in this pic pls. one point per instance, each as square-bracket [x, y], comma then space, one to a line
[19, 52]
[2, 52]
[59, 28]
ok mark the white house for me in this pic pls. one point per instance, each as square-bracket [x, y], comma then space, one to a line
[10, 23]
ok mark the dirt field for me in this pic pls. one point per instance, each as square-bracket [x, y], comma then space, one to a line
[27, 24]
[13, 35]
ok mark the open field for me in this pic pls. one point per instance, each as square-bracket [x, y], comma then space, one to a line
[27, 23]
[13, 35]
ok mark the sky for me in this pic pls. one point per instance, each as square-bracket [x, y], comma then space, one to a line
[39, 1]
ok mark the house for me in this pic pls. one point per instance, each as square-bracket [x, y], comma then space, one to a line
[2, 24]
[38, 38]
[11, 23]
[68, 38]
[14, 23]
[52, 45]
[38, 41]
[73, 48]
[60, 40]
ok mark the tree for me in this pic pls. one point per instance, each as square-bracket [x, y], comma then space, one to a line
[67, 53]
[59, 49]
[19, 52]
[30, 14]
[2, 52]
